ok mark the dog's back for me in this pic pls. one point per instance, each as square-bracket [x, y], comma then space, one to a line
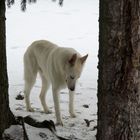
[36, 56]
[39, 51]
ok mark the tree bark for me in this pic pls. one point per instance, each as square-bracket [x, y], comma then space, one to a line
[6, 117]
[119, 75]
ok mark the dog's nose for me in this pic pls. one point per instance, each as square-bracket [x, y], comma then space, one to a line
[72, 88]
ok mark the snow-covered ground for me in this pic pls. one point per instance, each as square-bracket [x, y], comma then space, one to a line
[73, 25]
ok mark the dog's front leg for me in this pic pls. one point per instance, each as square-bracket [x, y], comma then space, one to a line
[56, 98]
[71, 103]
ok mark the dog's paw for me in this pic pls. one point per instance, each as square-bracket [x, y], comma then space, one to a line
[30, 109]
[59, 123]
[48, 111]
[72, 115]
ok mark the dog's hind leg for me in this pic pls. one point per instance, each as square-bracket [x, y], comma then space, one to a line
[44, 89]
[27, 91]
[30, 73]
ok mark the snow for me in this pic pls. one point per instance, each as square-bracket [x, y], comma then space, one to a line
[14, 132]
[73, 25]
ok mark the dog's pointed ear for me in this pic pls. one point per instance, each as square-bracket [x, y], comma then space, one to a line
[83, 59]
[72, 59]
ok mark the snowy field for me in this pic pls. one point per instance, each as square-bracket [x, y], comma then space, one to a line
[73, 25]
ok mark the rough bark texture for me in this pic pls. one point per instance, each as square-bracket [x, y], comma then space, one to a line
[6, 117]
[119, 75]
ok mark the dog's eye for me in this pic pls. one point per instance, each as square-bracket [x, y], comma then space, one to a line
[72, 77]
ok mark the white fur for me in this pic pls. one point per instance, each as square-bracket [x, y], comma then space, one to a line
[54, 66]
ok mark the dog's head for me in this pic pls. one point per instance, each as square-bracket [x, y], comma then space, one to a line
[73, 69]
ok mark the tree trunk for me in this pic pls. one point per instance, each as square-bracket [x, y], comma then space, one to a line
[6, 117]
[119, 75]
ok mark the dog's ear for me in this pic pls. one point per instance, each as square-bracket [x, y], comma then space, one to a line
[83, 59]
[72, 59]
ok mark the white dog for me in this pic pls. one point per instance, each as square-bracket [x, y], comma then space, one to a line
[58, 66]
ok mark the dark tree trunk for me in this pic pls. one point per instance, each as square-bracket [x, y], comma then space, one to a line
[119, 76]
[6, 117]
